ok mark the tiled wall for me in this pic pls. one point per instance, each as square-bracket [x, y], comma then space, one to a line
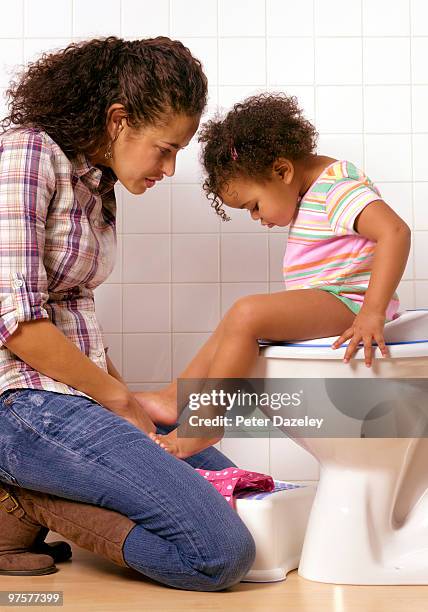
[359, 69]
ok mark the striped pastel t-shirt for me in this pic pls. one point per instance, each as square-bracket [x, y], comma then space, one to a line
[323, 249]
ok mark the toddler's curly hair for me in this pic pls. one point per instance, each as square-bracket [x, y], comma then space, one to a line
[247, 141]
[67, 93]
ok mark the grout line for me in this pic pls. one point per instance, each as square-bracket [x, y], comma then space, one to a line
[363, 98]
[412, 156]
[171, 303]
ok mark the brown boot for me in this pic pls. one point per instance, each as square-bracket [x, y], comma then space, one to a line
[59, 551]
[96, 529]
[17, 534]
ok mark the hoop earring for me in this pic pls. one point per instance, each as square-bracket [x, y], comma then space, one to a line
[108, 154]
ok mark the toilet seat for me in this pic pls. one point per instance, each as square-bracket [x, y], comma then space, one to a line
[406, 336]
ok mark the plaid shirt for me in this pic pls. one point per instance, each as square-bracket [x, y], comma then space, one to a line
[57, 243]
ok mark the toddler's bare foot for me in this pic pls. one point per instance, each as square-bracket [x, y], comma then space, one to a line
[159, 405]
[182, 447]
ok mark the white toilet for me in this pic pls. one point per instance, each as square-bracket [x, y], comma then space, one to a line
[369, 519]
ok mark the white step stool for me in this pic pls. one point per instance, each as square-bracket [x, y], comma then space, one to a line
[277, 521]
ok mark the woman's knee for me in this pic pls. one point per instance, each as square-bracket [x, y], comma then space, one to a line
[230, 558]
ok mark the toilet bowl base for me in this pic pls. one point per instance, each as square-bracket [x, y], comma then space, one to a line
[351, 537]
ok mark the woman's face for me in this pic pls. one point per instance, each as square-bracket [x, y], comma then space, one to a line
[144, 156]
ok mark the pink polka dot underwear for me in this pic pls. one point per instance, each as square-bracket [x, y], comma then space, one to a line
[231, 481]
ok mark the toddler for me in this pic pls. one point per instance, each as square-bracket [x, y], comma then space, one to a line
[346, 251]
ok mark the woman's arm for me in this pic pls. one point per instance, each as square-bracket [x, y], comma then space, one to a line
[379, 223]
[46, 349]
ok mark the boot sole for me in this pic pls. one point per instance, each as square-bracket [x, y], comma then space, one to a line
[40, 572]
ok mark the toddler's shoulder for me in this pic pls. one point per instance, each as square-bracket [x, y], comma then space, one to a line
[345, 170]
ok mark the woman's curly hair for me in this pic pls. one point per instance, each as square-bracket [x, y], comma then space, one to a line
[67, 93]
[250, 138]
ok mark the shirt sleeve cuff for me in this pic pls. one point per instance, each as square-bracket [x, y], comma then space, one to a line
[20, 305]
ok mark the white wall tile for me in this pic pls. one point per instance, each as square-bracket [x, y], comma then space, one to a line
[399, 197]
[420, 243]
[277, 244]
[385, 18]
[338, 61]
[419, 17]
[419, 108]
[388, 157]
[244, 258]
[244, 68]
[10, 60]
[248, 453]
[185, 347]
[108, 305]
[195, 259]
[380, 109]
[341, 18]
[146, 308]
[114, 342]
[276, 287]
[96, 18]
[289, 18]
[195, 308]
[420, 195]
[420, 157]
[146, 357]
[231, 292]
[241, 61]
[288, 461]
[46, 18]
[149, 212]
[231, 94]
[305, 95]
[386, 60]
[205, 49]
[241, 221]
[342, 146]
[188, 169]
[409, 271]
[139, 20]
[34, 47]
[339, 109]
[406, 294]
[11, 23]
[192, 18]
[192, 211]
[419, 64]
[146, 258]
[421, 294]
[118, 191]
[116, 275]
[241, 18]
[300, 70]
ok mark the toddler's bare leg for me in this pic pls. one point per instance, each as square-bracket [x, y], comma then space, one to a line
[288, 315]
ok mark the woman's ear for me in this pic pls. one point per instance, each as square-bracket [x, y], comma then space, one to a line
[283, 168]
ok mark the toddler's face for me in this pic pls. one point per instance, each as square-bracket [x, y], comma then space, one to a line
[273, 202]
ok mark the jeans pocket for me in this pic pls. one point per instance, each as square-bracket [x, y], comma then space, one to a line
[8, 478]
[11, 397]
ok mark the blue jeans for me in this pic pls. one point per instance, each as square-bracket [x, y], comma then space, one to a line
[187, 536]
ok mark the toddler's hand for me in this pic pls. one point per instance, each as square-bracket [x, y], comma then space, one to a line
[367, 325]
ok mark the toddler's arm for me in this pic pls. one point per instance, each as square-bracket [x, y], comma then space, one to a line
[379, 223]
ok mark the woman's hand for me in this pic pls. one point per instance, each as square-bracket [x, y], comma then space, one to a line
[117, 398]
[138, 417]
[367, 325]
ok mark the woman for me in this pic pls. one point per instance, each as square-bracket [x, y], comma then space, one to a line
[96, 112]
